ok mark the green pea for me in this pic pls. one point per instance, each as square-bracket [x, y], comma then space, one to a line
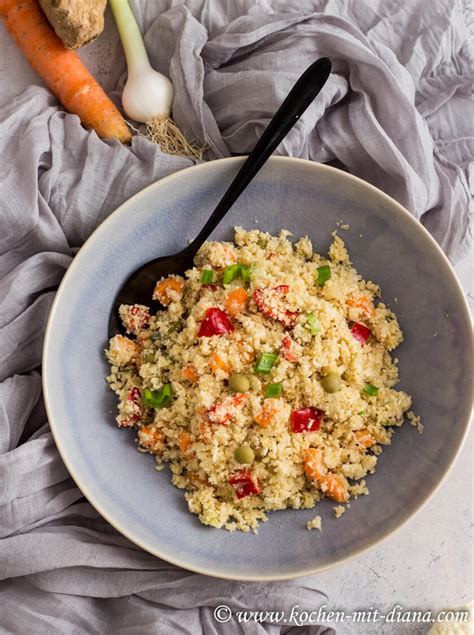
[331, 383]
[239, 383]
[148, 357]
[244, 454]
[174, 327]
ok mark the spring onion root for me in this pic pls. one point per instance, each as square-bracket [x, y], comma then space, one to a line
[164, 132]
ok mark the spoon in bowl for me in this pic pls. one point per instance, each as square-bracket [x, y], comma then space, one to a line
[139, 287]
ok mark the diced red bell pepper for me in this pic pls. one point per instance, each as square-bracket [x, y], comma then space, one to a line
[361, 332]
[269, 302]
[135, 396]
[288, 349]
[244, 484]
[306, 419]
[215, 322]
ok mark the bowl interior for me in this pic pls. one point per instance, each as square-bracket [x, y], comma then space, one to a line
[386, 245]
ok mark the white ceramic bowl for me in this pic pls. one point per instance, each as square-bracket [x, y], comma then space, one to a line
[386, 245]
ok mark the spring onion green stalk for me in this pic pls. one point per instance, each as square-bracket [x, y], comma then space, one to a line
[207, 276]
[231, 272]
[370, 390]
[273, 390]
[148, 95]
[245, 272]
[312, 323]
[158, 398]
[324, 274]
[265, 362]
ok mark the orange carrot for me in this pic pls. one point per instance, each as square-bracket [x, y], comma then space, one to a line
[314, 464]
[173, 284]
[184, 442]
[151, 438]
[267, 414]
[364, 438]
[336, 488]
[236, 301]
[332, 485]
[190, 373]
[364, 303]
[62, 69]
[217, 363]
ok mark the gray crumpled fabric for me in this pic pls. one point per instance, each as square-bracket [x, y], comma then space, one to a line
[396, 112]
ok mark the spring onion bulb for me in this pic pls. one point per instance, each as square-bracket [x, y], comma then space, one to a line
[148, 95]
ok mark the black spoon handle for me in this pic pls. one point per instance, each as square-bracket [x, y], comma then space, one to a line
[297, 101]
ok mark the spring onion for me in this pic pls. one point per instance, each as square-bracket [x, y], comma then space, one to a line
[312, 323]
[370, 390]
[245, 272]
[231, 273]
[148, 95]
[265, 362]
[273, 390]
[237, 271]
[158, 398]
[324, 274]
[207, 276]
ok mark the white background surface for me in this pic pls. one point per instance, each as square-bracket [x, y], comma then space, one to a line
[428, 563]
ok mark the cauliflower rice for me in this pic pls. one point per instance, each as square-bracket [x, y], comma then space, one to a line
[266, 382]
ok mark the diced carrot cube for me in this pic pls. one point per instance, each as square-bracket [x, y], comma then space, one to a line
[364, 303]
[314, 463]
[267, 414]
[151, 438]
[217, 363]
[335, 488]
[332, 485]
[184, 442]
[166, 288]
[236, 301]
[190, 373]
[364, 438]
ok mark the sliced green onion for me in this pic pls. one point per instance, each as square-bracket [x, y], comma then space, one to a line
[158, 398]
[245, 272]
[265, 362]
[231, 273]
[362, 412]
[370, 390]
[312, 323]
[207, 276]
[273, 390]
[324, 273]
